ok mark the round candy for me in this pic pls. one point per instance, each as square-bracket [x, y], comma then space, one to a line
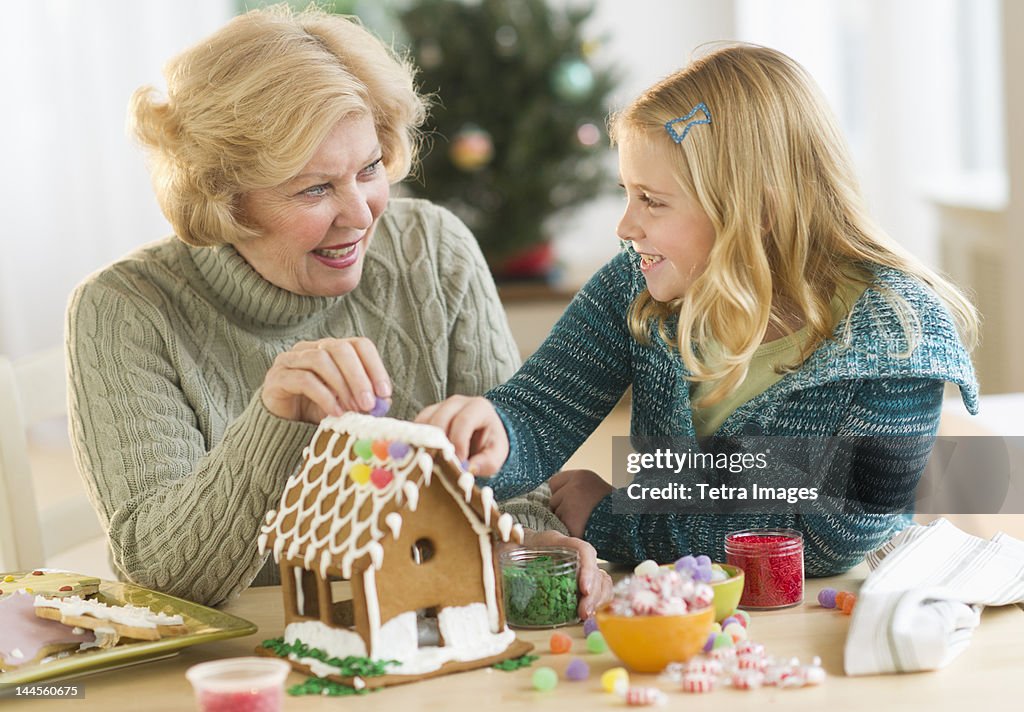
[840, 597]
[728, 620]
[703, 560]
[380, 477]
[827, 597]
[360, 473]
[686, 563]
[380, 407]
[398, 450]
[743, 617]
[615, 679]
[710, 643]
[560, 643]
[848, 603]
[363, 448]
[577, 670]
[595, 642]
[722, 640]
[380, 449]
[544, 678]
[589, 625]
[735, 631]
[646, 568]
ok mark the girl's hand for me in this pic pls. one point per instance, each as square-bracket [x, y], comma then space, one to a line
[595, 585]
[574, 494]
[326, 377]
[474, 428]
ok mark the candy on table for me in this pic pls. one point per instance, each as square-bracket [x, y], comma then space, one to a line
[729, 619]
[723, 640]
[840, 597]
[735, 631]
[577, 670]
[544, 678]
[743, 617]
[747, 679]
[710, 643]
[711, 666]
[813, 674]
[615, 679]
[848, 603]
[644, 696]
[589, 625]
[750, 661]
[827, 597]
[749, 647]
[698, 682]
[560, 643]
[596, 643]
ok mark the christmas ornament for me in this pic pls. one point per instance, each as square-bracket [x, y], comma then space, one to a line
[471, 149]
[572, 79]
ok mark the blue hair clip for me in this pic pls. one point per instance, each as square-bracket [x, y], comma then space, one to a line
[674, 133]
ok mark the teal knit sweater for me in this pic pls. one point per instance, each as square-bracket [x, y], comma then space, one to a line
[855, 384]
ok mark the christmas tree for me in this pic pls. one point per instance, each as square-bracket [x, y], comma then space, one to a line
[517, 132]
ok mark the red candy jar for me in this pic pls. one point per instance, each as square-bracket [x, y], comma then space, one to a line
[773, 564]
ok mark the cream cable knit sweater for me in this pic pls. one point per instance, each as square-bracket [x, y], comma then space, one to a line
[168, 347]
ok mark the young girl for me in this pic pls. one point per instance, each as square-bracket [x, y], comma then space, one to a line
[753, 295]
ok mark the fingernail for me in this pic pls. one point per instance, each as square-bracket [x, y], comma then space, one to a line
[367, 401]
[384, 388]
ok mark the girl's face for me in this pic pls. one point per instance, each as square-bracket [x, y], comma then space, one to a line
[667, 228]
[316, 226]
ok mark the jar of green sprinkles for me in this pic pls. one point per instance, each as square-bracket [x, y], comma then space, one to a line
[539, 586]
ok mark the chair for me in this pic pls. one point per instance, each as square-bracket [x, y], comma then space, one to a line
[33, 390]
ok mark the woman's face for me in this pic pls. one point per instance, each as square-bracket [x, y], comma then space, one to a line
[316, 226]
[667, 228]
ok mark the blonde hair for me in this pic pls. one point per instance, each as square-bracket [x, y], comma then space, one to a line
[247, 107]
[774, 176]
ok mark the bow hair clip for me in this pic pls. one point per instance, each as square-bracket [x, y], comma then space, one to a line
[703, 117]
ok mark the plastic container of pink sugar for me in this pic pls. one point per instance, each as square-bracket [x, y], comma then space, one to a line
[773, 564]
[239, 684]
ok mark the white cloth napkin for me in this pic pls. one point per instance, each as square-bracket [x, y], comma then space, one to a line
[923, 599]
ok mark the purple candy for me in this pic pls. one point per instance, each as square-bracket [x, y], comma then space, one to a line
[827, 597]
[398, 450]
[703, 560]
[702, 573]
[686, 563]
[730, 619]
[577, 670]
[589, 626]
[380, 407]
[711, 642]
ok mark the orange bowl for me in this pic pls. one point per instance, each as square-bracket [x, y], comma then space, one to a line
[649, 643]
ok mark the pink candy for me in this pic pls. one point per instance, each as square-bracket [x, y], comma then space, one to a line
[644, 696]
[659, 591]
[698, 682]
[747, 679]
[750, 661]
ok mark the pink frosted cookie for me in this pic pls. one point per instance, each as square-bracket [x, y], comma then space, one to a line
[27, 638]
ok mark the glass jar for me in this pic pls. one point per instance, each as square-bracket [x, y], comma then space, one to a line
[773, 564]
[539, 586]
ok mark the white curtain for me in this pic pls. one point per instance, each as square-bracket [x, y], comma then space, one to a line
[74, 191]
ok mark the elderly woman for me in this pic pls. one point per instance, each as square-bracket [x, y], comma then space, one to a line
[292, 289]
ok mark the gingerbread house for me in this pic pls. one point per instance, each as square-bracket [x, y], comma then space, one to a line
[387, 553]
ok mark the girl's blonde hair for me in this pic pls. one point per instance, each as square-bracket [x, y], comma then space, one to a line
[775, 178]
[247, 107]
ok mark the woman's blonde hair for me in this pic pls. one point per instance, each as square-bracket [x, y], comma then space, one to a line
[773, 173]
[247, 107]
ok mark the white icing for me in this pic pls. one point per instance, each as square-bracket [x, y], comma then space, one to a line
[466, 483]
[372, 607]
[16, 653]
[399, 639]
[357, 682]
[412, 495]
[517, 533]
[487, 503]
[368, 426]
[394, 522]
[129, 615]
[339, 642]
[300, 593]
[505, 525]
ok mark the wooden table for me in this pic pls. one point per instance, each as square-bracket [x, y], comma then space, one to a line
[989, 674]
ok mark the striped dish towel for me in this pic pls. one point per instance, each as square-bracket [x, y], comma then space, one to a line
[923, 599]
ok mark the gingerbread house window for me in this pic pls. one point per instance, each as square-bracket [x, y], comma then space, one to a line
[422, 551]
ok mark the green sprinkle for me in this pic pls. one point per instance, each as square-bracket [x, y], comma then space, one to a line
[351, 666]
[326, 688]
[516, 663]
[536, 596]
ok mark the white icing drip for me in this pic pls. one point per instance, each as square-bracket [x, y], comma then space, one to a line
[490, 596]
[466, 483]
[505, 525]
[427, 465]
[300, 593]
[412, 493]
[487, 503]
[517, 533]
[394, 522]
[270, 516]
[372, 608]
[129, 615]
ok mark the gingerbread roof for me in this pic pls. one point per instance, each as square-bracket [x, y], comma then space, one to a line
[359, 475]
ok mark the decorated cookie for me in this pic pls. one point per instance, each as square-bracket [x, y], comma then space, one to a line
[49, 583]
[27, 639]
[125, 621]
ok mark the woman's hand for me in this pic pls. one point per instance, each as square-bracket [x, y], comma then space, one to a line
[595, 585]
[474, 428]
[327, 377]
[574, 494]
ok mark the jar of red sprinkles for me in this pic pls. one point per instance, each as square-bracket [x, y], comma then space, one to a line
[773, 564]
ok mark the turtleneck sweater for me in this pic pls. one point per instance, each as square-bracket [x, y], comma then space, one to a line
[167, 351]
